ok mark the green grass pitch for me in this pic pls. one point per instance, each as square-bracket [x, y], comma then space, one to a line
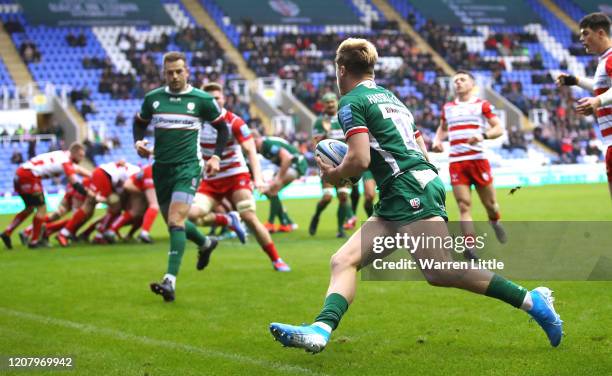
[93, 303]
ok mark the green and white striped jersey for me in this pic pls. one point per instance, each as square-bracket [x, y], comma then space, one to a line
[178, 119]
[390, 125]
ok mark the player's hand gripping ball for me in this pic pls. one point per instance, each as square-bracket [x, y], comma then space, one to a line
[332, 152]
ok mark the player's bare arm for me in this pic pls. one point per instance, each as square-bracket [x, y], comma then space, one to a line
[495, 130]
[421, 142]
[588, 105]
[212, 165]
[355, 162]
[441, 134]
[285, 162]
[82, 171]
[139, 129]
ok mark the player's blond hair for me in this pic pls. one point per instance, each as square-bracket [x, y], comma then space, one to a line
[172, 56]
[76, 146]
[212, 86]
[357, 55]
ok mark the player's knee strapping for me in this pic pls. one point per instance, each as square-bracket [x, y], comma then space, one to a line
[346, 190]
[328, 192]
[246, 205]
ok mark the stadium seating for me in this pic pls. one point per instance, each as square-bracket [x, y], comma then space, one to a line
[63, 64]
[529, 88]
[126, 60]
[5, 77]
[306, 57]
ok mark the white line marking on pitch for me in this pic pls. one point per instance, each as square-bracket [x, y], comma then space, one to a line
[87, 328]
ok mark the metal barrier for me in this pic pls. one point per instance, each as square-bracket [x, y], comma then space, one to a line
[28, 137]
[35, 95]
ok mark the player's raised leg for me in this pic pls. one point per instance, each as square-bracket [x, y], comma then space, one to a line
[538, 303]
[347, 261]
[200, 214]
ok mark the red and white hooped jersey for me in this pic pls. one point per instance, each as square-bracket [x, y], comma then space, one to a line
[603, 83]
[143, 179]
[119, 172]
[465, 120]
[50, 164]
[232, 161]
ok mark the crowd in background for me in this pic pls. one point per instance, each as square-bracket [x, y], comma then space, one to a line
[207, 62]
[308, 60]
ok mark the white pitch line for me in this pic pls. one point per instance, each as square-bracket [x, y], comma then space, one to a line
[87, 328]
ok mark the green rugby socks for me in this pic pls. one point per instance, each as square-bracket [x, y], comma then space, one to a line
[275, 208]
[507, 291]
[284, 217]
[321, 205]
[334, 308]
[369, 208]
[177, 248]
[344, 212]
[192, 233]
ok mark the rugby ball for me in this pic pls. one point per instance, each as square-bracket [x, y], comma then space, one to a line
[332, 152]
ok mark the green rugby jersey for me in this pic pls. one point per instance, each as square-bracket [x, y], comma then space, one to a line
[271, 147]
[390, 125]
[178, 118]
[335, 129]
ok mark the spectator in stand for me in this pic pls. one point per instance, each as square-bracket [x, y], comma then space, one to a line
[17, 157]
[88, 107]
[76, 40]
[120, 119]
[29, 52]
[13, 26]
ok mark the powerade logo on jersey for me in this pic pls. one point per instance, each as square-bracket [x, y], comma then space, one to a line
[245, 131]
[345, 116]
